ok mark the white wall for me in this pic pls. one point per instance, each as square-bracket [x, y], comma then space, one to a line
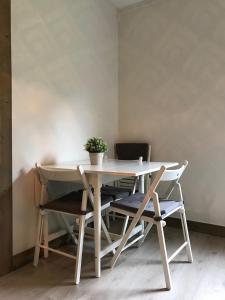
[65, 89]
[172, 87]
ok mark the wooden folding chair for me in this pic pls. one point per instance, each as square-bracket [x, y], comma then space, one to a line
[153, 210]
[78, 204]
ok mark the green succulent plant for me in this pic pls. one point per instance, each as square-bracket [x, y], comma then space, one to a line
[95, 145]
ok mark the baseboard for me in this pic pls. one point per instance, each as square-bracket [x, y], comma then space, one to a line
[199, 227]
[25, 257]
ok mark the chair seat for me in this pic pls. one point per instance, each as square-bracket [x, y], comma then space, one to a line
[133, 202]
[71, 203]
[115, 192]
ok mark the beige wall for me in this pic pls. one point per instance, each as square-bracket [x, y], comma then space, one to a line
[172, 88]
[65, 89]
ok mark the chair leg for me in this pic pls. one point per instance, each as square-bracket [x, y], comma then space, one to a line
[124, 241]
[146, 231]
[79, 250]
[46, 235]
[186, 235]
[38, 239]
[125, 223]
[68, 228]
[107, 218]
[163, 251]
[107, 235]
[143, 226]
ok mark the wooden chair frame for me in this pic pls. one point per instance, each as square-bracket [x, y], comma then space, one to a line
[161, 175]
[43, 236]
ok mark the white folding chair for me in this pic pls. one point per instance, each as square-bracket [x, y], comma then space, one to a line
[78, 204]
[153, 210]
[132, 151]
[127, 186]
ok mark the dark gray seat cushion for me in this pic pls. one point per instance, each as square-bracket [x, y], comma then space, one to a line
[71, 203]
[133, 202]
[115, 192]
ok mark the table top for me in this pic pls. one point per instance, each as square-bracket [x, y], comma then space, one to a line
[114, 167]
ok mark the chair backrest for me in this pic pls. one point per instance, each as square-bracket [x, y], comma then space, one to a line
[77, 175]
[47, 174]
[173, 176]
[132, 151]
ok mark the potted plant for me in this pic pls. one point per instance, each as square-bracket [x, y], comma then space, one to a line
[96, 148]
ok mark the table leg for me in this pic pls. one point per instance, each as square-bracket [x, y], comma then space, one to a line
[96, 181]
[141, 184]
[141, 189]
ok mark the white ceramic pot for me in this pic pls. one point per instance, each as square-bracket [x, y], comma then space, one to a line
[96, 158]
